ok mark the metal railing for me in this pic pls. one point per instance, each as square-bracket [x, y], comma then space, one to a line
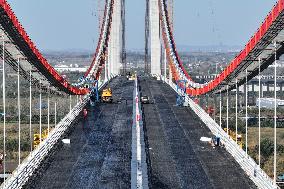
[256, 174]
[26, 169]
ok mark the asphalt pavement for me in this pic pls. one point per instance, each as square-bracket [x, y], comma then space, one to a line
[178, 159]
[99, 155]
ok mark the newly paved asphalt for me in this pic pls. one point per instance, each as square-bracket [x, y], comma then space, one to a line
[99, 155]
[178, 159]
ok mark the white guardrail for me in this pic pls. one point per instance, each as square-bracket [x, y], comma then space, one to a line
[257, 175]
[27, 168]
[139, 174]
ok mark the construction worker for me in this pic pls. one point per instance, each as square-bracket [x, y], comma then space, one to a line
[85, 115]
[85, 112]
[1, 161]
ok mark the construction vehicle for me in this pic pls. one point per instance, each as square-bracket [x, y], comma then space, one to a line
[128, 75]
[232, 134]
[145, 99]
[36, 141]
[41, 136]
[107, 95]
[280, 178]
[132, 77]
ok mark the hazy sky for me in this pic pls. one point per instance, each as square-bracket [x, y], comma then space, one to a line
[72, 24]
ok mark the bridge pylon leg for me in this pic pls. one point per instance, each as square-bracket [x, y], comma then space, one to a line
[115, 43]
[155, 37]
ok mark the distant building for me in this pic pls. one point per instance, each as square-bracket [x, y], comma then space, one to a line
[76, 68]
[269, 103]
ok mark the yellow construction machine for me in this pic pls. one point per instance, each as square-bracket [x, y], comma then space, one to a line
[232, 134]
[41, 136]
[133, 77]
[107, 95]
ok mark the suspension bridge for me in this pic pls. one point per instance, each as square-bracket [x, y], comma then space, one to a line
[127, 144]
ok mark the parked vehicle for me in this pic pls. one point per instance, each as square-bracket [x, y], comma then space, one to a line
[280, 178]
[145, 99]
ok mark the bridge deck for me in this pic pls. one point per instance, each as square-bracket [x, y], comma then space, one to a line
[100, 155]
[178, 158]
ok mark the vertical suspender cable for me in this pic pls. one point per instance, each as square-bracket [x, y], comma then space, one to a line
[207, 99]
[106, 78]
[48, 112]
[4, 109]
[19, 113]
[165, 66]
[55, 114]
[70, 101]
[236, 110]
[275, 113]
[215, 107]
[40, 107]
[259, 95]
[227, 109]
[220, 109]
[31, 139]
[246, 89]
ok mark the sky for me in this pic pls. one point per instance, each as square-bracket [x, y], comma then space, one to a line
[69, 25]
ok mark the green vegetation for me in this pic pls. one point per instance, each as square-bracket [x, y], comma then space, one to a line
[266, 148]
